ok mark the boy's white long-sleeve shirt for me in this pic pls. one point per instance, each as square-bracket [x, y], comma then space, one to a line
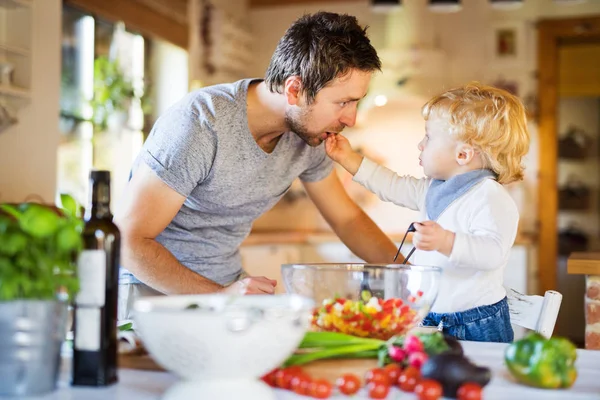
[485, 222]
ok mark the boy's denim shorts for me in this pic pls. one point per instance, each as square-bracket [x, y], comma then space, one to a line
[481, 324]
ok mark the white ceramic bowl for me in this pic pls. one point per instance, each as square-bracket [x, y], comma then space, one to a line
[226, 337]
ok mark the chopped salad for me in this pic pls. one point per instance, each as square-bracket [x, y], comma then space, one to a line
[372, 317]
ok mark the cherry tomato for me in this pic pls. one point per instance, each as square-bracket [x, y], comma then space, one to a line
[269, 378]
[283, 377]
[378, 390]
[295, 369]
[300, 384]
[348, 384]
[428, 389]
[408, 379]
[393, 371]
[320, 389]
[377, 375]
[469, 391]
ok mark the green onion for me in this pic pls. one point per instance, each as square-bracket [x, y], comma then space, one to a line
[333, 345]
[334, 339]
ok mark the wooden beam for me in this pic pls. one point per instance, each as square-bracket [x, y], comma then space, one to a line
[551, 33]
[136, 16]
[272, 3]
[547, 171]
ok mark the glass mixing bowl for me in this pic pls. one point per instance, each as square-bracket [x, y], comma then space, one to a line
[366, 300]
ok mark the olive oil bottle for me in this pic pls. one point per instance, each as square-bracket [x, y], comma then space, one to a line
[95, 308]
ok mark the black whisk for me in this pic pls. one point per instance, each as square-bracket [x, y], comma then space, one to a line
[411, 228]
[365, 288]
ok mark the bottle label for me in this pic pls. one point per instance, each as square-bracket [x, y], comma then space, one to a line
[87, 329]
[91, 270]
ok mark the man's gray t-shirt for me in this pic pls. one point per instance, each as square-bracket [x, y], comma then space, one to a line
[203, 149]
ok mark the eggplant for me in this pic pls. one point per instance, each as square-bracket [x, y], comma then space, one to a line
[454, 344]
[453, 370]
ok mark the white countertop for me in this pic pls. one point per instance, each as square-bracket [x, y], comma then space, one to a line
[144, 385]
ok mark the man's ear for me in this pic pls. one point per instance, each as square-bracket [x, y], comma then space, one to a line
[464, 153]
[293, 90]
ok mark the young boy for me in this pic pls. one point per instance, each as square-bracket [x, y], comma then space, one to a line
[475, 139]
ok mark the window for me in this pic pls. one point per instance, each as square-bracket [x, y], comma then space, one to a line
[102, 90]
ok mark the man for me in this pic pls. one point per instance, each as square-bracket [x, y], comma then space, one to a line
[225, 154]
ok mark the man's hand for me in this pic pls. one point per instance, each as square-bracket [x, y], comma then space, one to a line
[339, 150]
[431, 236]
[252, 285]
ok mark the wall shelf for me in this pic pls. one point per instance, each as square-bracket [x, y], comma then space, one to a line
[21, 51]
[14, 3]
[15, 49]
[15, 91]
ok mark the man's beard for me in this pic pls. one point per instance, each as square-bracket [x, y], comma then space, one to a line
[296, 123]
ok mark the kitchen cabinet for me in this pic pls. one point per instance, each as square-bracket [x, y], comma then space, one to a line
[266, 260]
[15, 47]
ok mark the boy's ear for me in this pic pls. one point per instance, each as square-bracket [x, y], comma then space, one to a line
[464, 153]
[293, 90]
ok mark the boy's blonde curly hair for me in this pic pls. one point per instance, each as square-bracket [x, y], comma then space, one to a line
[490, 119]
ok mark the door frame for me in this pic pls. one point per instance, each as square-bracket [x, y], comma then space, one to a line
[551, 32]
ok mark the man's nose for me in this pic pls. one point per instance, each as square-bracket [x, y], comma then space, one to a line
[420, 146]
[349, 118]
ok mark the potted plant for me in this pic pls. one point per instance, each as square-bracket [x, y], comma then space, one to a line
[38, 252]
[113, 94]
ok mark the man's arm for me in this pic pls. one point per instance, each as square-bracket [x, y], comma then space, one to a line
[148, 207]
[349, 222]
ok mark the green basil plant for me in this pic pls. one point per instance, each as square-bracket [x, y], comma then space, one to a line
[39, 246]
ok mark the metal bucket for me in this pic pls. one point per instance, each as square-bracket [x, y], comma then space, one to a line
[31, 335]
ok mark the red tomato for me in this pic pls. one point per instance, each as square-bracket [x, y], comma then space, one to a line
[283, 377]
[320, 389]
[378, 390]
[393, 371]
[294, 369]
[428, 389]
[269, 378]
[377, 375]
[469, 391]
[300, 384]
[348, 384]
[408, 379]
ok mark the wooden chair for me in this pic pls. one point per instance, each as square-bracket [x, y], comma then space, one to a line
[538, 313]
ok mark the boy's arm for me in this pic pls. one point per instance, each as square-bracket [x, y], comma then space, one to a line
[405, 191]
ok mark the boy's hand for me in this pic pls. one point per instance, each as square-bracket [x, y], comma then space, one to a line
[431, 236]
[338, 148]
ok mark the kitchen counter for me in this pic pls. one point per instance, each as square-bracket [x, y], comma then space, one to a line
[584, 263]
[144, 385]
[311, 237]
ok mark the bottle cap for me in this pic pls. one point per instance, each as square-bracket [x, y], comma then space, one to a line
[100, 175]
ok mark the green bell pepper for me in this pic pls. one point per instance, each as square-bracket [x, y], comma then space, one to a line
[540, 362]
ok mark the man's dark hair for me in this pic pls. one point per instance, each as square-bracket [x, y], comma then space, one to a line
[318, 48]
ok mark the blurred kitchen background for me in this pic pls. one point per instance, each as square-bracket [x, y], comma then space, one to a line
[82, 81]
